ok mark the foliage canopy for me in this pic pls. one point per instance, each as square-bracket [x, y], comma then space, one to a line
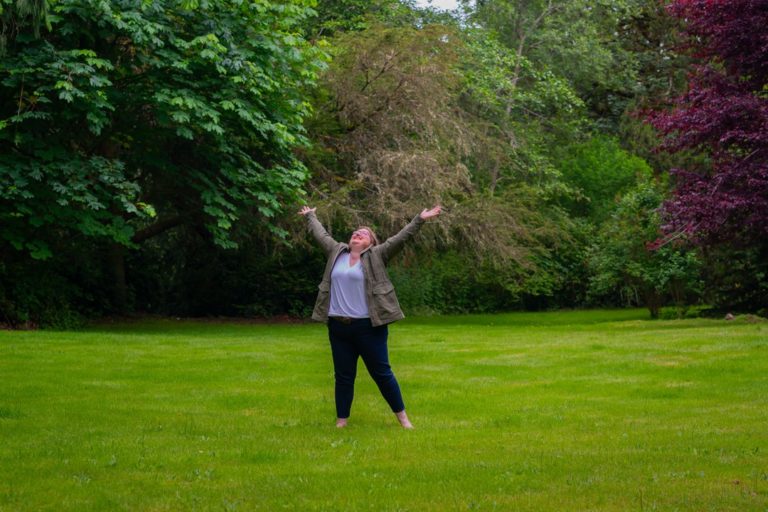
[121, 119]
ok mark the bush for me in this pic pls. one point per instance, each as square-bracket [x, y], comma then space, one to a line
[449, 283]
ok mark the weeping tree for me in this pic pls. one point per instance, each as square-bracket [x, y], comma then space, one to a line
[407, 117]
[120, 120]
[387, 123]
[392, 137]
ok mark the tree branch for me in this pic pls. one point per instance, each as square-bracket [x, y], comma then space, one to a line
[158, 227]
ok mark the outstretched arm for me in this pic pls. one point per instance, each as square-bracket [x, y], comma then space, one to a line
[395, 244]
[326, 241]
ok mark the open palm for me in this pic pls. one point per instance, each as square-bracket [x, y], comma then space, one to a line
[428, 214]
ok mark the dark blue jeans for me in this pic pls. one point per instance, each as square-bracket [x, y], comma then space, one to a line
[360, 339]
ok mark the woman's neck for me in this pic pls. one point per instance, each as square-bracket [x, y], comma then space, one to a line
[354, 255]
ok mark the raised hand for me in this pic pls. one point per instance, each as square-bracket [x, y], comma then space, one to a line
[428, 214]
[306, 209]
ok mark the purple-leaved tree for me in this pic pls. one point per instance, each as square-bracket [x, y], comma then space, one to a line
[724, 115]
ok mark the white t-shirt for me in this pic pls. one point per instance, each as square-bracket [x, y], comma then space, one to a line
[348, 289]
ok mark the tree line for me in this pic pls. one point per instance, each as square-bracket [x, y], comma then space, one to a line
[153, 154]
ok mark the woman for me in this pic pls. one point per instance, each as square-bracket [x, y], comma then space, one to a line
[357, 300]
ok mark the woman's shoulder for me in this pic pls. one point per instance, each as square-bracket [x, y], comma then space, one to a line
[375, 253]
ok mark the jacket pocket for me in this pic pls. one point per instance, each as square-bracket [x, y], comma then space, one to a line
[385, 299]
[383, 288]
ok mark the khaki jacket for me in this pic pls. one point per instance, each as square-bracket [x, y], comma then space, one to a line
[383, 306]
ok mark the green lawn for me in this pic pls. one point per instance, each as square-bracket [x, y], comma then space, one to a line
[600, 410]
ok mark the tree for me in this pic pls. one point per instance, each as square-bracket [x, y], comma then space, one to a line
[578, 40]
[335, 17]
[622, 259]
[386, 132]
[407, 116]
[724, 115]
[517, 110]
[117, 98]
[124, 119]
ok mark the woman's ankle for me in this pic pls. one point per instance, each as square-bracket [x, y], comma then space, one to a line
[341, 422]
[402, 417]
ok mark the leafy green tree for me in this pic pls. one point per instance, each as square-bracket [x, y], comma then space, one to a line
[126, 118]
[516, 110]
[576, 39]
[623, 261]
[335, 17]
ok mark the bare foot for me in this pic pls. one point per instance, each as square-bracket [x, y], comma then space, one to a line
[341, 422]
[402, 417]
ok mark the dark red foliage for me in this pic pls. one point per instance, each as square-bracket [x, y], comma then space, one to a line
[725, 115]
[732, 32]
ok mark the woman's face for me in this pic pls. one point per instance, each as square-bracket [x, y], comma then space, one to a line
[361, 239]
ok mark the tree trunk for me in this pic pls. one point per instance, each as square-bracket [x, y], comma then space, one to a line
[653, 303]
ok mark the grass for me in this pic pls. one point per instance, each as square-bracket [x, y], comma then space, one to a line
[599, 410]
